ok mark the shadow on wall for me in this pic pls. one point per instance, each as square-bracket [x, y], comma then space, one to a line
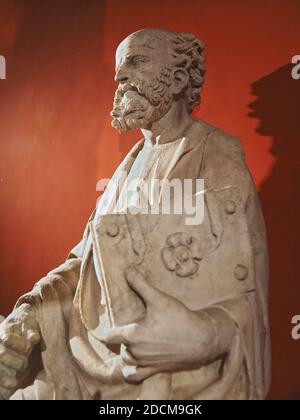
[278, 109]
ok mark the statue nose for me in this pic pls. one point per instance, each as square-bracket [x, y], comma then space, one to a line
[121, 76]
[121, 79]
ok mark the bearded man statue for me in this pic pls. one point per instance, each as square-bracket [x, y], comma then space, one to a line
[208, 338]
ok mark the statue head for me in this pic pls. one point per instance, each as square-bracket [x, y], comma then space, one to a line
[155, 68]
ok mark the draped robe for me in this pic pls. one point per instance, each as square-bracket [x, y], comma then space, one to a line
[76, 365]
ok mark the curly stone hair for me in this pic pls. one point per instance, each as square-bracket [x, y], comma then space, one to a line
[188, 52]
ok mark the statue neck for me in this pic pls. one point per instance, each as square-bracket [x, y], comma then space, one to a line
[171, 126]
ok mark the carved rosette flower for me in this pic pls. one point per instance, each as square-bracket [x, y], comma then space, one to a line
[182, 254]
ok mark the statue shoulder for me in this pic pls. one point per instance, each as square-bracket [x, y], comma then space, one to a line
[224, 162]
[225, 145]
[218, 143]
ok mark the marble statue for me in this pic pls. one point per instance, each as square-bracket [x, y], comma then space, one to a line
[147, 306]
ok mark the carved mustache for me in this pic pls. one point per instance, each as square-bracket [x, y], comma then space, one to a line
[120, 92]
[135, 87]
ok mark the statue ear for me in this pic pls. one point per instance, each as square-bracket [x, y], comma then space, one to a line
[180, 79]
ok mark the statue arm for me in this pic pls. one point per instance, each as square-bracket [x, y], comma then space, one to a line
[246, 315]
[63, 279]
[231, 317]
[21, 330]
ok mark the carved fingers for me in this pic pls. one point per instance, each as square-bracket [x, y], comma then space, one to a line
[12, 359]
[19, 331]
[8, 378]
[18, 335]
[119, 335]
[11, 364]
[134, 374]
[149, 294]
[168, 338]
[127, 356]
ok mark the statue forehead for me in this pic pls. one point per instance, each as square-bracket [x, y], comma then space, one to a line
[145, 41]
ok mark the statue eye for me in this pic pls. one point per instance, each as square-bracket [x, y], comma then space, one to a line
[138, 59]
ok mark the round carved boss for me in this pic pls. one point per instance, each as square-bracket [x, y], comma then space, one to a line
[182, 254]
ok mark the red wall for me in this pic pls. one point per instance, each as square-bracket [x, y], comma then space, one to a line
[56, 140]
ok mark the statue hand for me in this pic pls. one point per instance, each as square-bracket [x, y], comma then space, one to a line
[18, 334]
[170, 337]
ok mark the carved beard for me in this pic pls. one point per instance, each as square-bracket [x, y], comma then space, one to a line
[138, 104]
